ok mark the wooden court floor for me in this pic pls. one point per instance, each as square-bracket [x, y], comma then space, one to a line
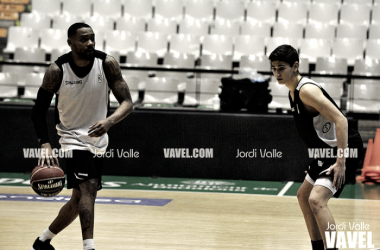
[190, 221]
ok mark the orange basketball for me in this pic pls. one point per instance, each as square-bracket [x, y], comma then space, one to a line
[47, 181]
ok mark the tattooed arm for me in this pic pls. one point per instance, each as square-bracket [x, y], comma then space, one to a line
[50, 85]
[121, 91]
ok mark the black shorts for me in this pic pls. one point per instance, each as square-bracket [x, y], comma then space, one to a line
[83, 166]
[319, 167]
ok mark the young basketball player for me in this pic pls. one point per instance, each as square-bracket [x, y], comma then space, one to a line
[322, 126]
[81, 80]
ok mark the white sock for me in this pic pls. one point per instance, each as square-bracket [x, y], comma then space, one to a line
[88, 244]
[47, 235]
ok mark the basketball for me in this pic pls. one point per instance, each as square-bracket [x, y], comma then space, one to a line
[47, 181]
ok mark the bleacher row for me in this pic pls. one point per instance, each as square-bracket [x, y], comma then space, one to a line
[330, 34]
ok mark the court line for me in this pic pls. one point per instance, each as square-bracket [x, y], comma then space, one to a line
[286, 188]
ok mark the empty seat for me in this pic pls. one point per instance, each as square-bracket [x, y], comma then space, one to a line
[355, 31]
[33, 82]
[169, 9]
[120, 41]
[351, 49]
[258, 29]
[161, 90]
[138, 8]
[101, 24]
[46, 7]
[375, 17]
[140, 59]
[286, 13]
[53, 39]
[260, 63]
[372, 49]
[365, 94]
[29, 55]
[225, 27]
[261, 11]
[324, 13]
[217, 44]
[77, 8]
[248, 45]
[21, 37]
[331, 65]
[130, 24]
[288, 30]
[177, 60]
[367, 2]
[107, 8]
[193, 27]
[183, 44]
[8, 85]
[374, 31]
[367, 66]
[64, 21]
[355, 14]
[215, 62]
[164, 26]
[320, 31]
[230, 10]
[152, 42]
[208, 89]
[35, 20]
[313, 48]
[199, 9]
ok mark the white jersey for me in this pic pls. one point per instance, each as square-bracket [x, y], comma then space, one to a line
[82, 101]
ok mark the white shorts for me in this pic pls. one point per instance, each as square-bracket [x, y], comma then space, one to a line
[322, 181]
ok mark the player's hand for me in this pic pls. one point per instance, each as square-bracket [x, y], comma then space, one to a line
[99, 128]
[46, 155]
[339, 170]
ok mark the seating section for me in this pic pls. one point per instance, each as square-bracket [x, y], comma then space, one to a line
[214, 34]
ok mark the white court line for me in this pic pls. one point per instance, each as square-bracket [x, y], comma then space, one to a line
[284, 189]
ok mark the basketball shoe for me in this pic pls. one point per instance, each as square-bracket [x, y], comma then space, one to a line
[39, 245]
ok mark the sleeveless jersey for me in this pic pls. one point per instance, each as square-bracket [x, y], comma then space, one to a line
[316, 130]
[82, 101]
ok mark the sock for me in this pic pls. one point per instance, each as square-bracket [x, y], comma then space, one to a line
[317, 245]
[47, 235]
[88, 244]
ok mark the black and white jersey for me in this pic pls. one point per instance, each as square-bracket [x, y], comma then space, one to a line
[82, 101]
[316, 130]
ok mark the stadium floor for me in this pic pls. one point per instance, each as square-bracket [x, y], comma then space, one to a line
[173, 213]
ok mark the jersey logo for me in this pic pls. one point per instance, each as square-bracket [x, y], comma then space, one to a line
[326, 127]
[73, 82]
[99, 78]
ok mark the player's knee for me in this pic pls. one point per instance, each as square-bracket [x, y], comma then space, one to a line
[316, 203]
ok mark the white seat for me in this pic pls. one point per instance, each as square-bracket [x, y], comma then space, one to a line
[77, 8]
[177, 60]
[8, 85]
[324, 13]
[375, 17]
[215, 62]
[248, 45]
[288, 30]
[193, 27]
[260, 63]
[355, 14]
[152, 42]
[46, 7]
[107, 8]
[367, 2]
[140, 59]
[320, 31]
[331, 65]
[101, 24]
[286, 13]
[274, 42]
[230, 10]
[372, 49]
[35, 20]
[164, 26]
[120, 41]
[29, 55]
[130, 24]
[367, 66]
[33, 82]
[182, 43]
[53, 39]
[258, 29]
[208, 89]
[64, 21]
[261, 11]
[374, 31]
[304, 66]
[365, 94]
[22, 37]
[313, 48]
[138, 9]
[351, 31]
[351, 49]
[161, 90]
[199, 9]
[225, 27]
[217, 44]
[169, 9]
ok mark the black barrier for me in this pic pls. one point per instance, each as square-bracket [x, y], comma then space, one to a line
[175, 144]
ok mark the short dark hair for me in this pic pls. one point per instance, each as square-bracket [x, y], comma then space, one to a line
[284, 53]
[74, 27]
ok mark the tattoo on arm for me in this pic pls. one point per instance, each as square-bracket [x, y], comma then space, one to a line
[115, 79]
[52, 79]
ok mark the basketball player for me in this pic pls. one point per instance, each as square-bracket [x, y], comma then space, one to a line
[81, 80]
[321, 125]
